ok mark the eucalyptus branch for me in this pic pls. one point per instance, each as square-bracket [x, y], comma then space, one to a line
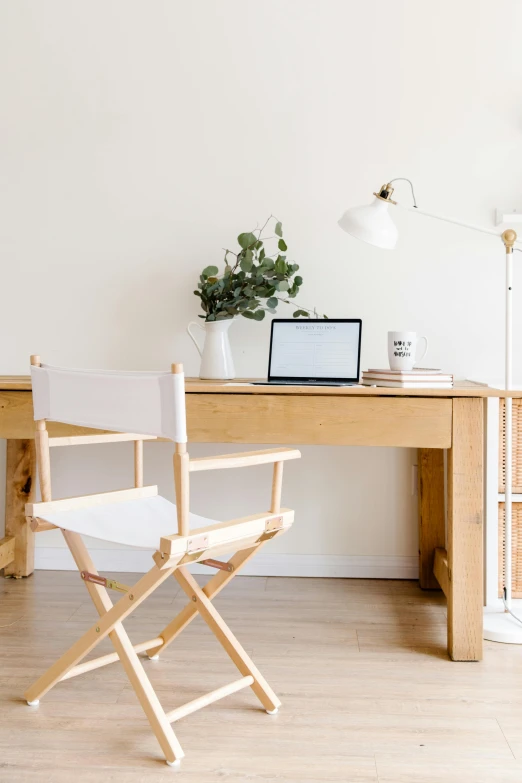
[300, 307]
[265, 225]
[250, 284]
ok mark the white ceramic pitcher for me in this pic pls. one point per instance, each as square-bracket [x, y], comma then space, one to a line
[216, 355]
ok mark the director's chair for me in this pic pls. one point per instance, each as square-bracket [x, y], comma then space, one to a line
[149, 405]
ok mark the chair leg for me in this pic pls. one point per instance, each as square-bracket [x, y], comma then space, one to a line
[211, 589]
[123, 646]
[227, 639]
[146, 695]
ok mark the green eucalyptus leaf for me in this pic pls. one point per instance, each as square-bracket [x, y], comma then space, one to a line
[209, 271]
[282, 245]
[280, 266]
[279, 229]
[298, 280]
[211, 317]
[272, 302]
[247, 240]
[283, 285]
[246, 264]
[259, 315]
[248, 314]
[262, 254]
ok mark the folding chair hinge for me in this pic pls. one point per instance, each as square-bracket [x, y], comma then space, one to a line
[196, 545]
[110, 584]
[272, 526]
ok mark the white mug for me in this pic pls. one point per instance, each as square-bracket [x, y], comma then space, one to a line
[402, 349]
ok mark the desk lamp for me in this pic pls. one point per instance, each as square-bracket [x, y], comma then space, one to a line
[373, 224]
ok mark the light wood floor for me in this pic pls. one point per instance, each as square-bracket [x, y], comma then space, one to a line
[368, 693]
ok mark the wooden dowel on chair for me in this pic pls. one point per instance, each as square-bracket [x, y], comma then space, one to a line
[96, 663]
[208, 698]
[181, 478]
[138, 463]
[277, 485]
[41, 440]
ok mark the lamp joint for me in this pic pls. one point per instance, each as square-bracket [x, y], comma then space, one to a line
[509, 237]
[385, 194]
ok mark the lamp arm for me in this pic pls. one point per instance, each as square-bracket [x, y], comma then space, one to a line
[462, 223]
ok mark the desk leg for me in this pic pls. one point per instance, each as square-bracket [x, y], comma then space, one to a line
[432, 522]
[19, 490]
[465, 531]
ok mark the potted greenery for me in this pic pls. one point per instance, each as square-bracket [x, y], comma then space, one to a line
[252, 283]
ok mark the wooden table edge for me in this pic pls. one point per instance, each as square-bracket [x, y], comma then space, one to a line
[198, 386]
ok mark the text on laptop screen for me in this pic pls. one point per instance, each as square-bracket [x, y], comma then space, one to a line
[322, 349]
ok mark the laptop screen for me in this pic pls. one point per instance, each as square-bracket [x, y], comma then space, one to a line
[311, 349]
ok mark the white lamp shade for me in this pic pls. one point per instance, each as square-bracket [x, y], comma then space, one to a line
[371, 223]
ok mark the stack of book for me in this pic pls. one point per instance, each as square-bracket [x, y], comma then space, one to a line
[418, 378]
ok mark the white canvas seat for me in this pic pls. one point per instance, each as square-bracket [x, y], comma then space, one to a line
[153, 405]
[139, 523]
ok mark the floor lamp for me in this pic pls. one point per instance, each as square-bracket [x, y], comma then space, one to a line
[373, 224]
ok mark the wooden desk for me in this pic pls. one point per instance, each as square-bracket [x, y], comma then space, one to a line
[220, 412]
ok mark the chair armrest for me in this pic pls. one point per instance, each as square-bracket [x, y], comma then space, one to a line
[243, 459]
[222, 537]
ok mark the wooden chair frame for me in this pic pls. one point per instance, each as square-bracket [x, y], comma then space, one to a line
[244, 536]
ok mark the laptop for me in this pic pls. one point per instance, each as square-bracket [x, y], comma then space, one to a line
[314, 352]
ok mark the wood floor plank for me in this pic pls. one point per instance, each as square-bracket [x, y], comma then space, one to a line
[416, 770]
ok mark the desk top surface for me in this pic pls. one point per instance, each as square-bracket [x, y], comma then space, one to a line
[244, 386]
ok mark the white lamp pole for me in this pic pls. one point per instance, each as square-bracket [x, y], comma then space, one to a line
[373, 224]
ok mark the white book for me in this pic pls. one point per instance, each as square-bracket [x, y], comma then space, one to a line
[411, 375]
[408, 384]
[435, 379]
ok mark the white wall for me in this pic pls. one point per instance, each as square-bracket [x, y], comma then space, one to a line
[139, 138]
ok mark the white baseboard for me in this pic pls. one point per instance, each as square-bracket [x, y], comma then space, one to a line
[345, 566]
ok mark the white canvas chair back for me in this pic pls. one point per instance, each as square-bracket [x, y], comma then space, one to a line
[146, 403]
